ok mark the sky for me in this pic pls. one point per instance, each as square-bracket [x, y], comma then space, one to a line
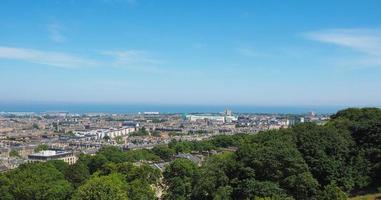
[198, 52]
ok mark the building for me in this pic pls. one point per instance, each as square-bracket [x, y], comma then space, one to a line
[228, 112]
[206, 117]
[216, 118]
[150, 113]
[111, 132]
[47, 155]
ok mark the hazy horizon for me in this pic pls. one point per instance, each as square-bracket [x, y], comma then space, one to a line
[39, 107]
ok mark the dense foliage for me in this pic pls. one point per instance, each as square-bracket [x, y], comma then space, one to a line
[305, 162]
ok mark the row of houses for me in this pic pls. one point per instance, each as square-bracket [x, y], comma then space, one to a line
[111, 132]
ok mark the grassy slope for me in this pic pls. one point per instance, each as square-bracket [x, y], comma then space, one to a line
[367, 197]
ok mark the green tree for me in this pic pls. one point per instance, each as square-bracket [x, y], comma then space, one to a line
[328, 152]
[38, 181]
[143, 172]
[251, 188]
[301, 186]
[332, 192]
[41, 147]
[140, 189]
[272, 156]
[60, 165]
[141, 154]
[77, 174]
[111, 187]
[164, 152]
[364, 126]
[214, 178]
[223, 141]
[14, 153]
[5, 184]
[96, 162]
[223, 193]
[119, 140]
[113, 154]
[108, 168]
[180, 177]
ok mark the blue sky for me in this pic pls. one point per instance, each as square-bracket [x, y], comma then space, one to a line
[191, 52]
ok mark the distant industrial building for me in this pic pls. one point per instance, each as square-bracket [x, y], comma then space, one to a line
[149, 113]
[217, 118]
[47, 155]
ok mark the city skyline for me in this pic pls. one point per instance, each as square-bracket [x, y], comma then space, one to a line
[192, 53]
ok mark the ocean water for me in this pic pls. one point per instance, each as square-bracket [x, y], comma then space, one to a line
[108, 108]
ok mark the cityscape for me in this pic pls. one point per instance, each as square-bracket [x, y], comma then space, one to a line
[190, 100]
[70, 134]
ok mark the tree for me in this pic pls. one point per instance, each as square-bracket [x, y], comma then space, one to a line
[251, 188]
[113, 154]
[41, 147]
[214, 178]
[223, 193]
[60, 165]
[111, 187]
[96, 162]
[108, 168]
[301, 186]
[14, 153]
[140, 132]
[181, 146]
[332, 192]
[143, 172]
[180, 177]
[141, 154]
[148, 174]
[38, 181]
[328, 152]
[164, 152]
[364, 125]
[77, 174]
[5, 184]
[223, 141]
[272, 156]
[119, 140]
[140, 189]
[35, 126]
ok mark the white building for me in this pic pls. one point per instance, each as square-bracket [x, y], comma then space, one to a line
[217, 118]
[47, 155]
[112, 132]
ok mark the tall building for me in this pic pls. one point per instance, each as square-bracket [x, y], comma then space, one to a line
[228, 112]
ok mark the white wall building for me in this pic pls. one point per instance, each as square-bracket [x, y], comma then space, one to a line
[112, 132]
[47, 155]
[217, 118]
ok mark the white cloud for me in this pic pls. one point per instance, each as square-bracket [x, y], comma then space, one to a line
[128, 59]
[132, 58]
[367, 42]
[135, 60]
[45, 57]
[55, 33]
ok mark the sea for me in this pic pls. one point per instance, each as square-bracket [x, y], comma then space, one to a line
[167, 109]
